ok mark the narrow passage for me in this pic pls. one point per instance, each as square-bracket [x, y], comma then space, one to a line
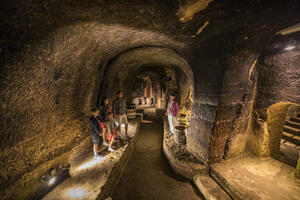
[148, 175]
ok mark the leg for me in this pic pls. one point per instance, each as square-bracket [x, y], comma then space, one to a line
[125, 121]
[95, 145]
[103, 136]
[170, 119]
[95, 148]
[112, 139]
[111, 142]
[119, 122]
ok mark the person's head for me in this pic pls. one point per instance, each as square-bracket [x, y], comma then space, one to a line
[95, 112]
[120, 94]
[105, 101]
[172, 96]
[110, 115]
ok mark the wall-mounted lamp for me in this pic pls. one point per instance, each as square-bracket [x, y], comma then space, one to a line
[51, 181]
[288, 48]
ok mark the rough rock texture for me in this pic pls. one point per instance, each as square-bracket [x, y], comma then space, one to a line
[54, 56]
[254, 178]
[271, 79]
[181, 161]
[98, 178]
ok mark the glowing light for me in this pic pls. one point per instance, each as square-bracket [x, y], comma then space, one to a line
[289, 48]
[122, 125]
[91, 163]
[51, 181]
[77, 193]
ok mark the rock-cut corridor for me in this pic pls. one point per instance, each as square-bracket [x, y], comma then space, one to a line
[226, 73]
[148, 175]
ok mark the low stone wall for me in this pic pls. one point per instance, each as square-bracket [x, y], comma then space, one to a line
[180, 160]
[96, 179]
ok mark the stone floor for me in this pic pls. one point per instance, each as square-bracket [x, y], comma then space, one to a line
[253, 178]
[148, 175]
[88, 175]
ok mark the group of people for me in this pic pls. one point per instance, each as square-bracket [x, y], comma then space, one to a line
[107, 123]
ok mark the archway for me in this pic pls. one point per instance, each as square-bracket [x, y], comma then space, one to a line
[162, 69]
[276, 98]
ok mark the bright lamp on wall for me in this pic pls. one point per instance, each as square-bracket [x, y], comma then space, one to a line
[288, 48]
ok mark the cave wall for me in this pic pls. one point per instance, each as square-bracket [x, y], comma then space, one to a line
[277, 89]
[54, 55]
[238, 90]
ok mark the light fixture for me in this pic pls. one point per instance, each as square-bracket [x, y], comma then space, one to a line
[51, 181]
[288, 48]
[77, 193]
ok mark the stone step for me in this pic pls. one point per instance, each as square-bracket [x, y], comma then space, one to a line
[293, 139]
[295, 119]
[292, 124]
[209, 188]
[294, 131]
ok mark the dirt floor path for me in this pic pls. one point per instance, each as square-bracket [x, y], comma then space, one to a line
[148, 175]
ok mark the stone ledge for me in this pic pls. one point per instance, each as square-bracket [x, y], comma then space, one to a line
[250, 178]
[180, 160]
[95, 179]
[209, 188]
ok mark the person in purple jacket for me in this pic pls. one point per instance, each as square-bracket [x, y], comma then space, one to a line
[172, 111]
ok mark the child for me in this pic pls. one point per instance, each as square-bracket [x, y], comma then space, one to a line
[112, 130]
[96, 129]
[104, 109]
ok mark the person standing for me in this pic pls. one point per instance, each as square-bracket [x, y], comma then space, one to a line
[96, 130]
[120, 112]
[112, 130]
[103, 113]
[172, 111]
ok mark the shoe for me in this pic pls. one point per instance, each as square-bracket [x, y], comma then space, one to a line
[105, 143]
[110, 149]
[97, 156]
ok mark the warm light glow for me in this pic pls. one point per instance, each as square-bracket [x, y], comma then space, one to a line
[91, 163]
[77, 193]
[51, 181]
[289, 48]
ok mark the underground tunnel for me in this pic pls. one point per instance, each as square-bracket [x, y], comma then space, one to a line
[210, 91]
